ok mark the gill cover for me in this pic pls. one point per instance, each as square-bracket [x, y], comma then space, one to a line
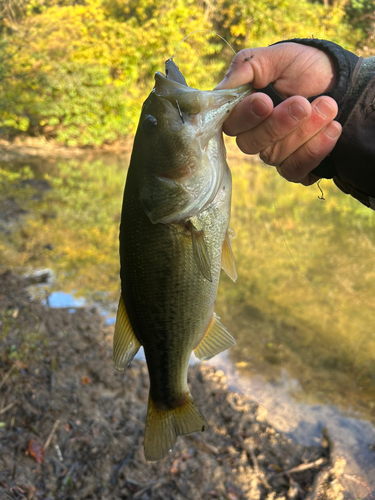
[180, 136]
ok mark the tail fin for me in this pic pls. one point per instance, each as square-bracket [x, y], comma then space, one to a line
[164, 426]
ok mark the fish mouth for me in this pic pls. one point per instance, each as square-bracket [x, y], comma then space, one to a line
[214, 105]
[165, 86]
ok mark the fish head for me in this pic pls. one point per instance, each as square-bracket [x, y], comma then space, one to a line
[176, 127]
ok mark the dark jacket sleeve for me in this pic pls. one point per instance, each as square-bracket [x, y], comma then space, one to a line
[354, 153]
[351, 163]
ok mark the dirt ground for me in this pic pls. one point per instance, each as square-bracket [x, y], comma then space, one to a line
[72, 427]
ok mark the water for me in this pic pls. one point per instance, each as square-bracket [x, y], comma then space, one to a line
[302, 310]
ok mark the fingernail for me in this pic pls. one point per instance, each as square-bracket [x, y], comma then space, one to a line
[296, 111]
[332, 130]
[324, 109]
[258, 108]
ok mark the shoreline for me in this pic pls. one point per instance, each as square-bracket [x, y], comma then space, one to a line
[36, 148]
[59, 388]
[24, 149]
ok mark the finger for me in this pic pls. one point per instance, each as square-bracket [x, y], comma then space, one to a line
[323, 111]
[285, 118]
[297, 167]
[291, 67]
[260, 66]
[248, 114]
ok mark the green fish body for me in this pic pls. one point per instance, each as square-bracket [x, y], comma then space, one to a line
[174, 239]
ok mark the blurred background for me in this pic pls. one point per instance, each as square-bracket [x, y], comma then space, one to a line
[78, 70]
[73, 76]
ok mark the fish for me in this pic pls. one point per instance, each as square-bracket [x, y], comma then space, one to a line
[174, 240]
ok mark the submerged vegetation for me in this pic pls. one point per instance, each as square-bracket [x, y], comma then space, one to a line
[78, 71]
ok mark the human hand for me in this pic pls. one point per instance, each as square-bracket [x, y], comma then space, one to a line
[295, 136]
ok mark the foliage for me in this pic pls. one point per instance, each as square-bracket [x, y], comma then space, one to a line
[263, 22]
[79, 71]
[361, 13]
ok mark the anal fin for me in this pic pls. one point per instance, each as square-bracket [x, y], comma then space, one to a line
[125, 343]
[215, 340]
[164, 426]
[200, 252]
[228, 263]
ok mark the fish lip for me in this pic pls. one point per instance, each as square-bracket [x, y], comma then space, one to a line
[162, 83]
[211, 106]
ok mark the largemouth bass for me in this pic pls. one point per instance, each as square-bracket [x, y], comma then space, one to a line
[174, 239]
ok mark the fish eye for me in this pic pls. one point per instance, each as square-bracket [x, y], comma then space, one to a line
[150, 124]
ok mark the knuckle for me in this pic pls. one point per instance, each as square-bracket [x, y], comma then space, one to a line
[247, 144]
[269, 132]
[242, 56]
[311, 152]
[238, 60]
[270, 156]
[291, 169]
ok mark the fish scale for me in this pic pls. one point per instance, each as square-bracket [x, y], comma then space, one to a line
[174, 240]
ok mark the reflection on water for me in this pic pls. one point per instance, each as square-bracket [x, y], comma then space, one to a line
[62, 299]
[302, 308]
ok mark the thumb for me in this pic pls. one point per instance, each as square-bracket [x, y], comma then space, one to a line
[261, 66]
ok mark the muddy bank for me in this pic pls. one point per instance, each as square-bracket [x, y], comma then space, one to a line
[72, 427]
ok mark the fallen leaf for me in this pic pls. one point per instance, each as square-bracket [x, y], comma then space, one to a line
[232, 496]
[174, 466]
[85, 380]
[20, 365]
[31, 492]
[36, 451]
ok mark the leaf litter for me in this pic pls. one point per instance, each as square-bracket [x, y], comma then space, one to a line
[59, 387]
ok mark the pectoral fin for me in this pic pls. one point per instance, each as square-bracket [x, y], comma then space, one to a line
[125, 343]
[215, 340]
[228, 263]
[200, 252]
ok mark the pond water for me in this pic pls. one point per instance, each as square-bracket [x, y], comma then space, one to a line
[302, 310]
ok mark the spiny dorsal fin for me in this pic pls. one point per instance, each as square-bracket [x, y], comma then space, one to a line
[125, 343]
[228, 263]
[215, 340]
[200, 252]
[164, 426]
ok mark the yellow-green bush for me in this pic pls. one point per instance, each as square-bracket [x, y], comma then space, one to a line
[79, 73]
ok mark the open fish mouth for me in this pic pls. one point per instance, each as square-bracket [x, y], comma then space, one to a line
[213, 105]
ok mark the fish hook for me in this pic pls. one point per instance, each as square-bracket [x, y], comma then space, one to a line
[179, 112]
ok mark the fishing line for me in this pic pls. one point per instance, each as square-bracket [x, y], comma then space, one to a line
[200, 31]
[321, 197]
[299, 271]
